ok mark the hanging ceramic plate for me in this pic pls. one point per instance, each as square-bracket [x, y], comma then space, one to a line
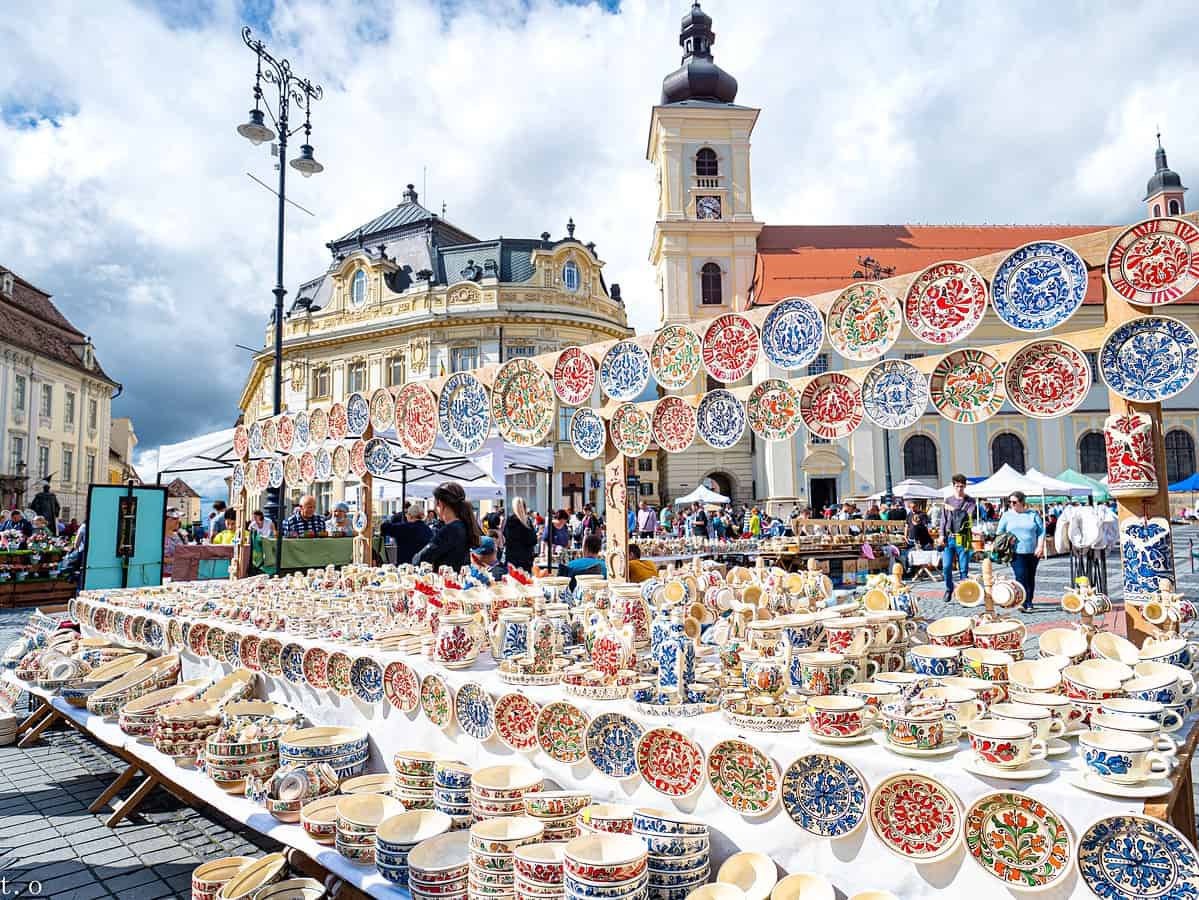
[285, 432]
[437, 700]
[474, 711]
[574, 376]
[237, 480]
[341, 461]
[241, 441]
[587, 433]
[773, 410]
[522, 402]
[291, 469]
[670, 762]
[730, 347]
[743, 777]
[1047, 378]
[673, 424]
[1131, 857]
[1155, 261]
[967, 386]
[416, 419]
[382, 409]
[324, 464]
[1018, 840]
[916, 817]
[612, 744]
[624, 370]
[516, 722]
[275, 473]
[676, 356]
[379, 456]
[1150, 358]
[358, 414]
[250, 479]
[270, 436]
[864, 321]
[303, 436]
[464, 412]
[318, 425]
[831, 405]
[720, 419]
[631, 429]
[1039, 286]
[358, 457]
[894, 394]
[338, 422]
[254, 435]
[401, 686]
[825, 795]
[262, 472]
[307, 467]
[945, 303]
[562, 731]
[792, 333]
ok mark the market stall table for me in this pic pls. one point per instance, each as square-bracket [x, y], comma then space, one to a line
[308, 553]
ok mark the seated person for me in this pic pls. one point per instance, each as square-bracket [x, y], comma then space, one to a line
[305, 521]
[40, 527]
[485, 557]
[227, 534]
[339, 524]
[639, 569]
[587, 564]
[18, 522]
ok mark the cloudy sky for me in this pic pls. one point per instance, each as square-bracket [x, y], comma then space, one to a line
[124, 189]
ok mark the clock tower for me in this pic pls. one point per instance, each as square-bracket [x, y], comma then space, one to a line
[705, 237]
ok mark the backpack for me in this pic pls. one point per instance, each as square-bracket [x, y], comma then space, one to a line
[1003, 548]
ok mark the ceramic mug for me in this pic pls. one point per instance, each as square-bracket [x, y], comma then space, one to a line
[887, 660]
[1122, 758]
[1125, 724]
[1164, 688]
[1090, 685]
[822, 673]
[840, 717]
[1003, 634]
[1061, 707]
[951, 631]
[1005, 744]
[1175, 651]
[1166, 719]
[989, 665]
[961, 705]
[1040, 719]
[924, 729]
[933, 660]
[851, 636]
[866, 667]
[873, 693]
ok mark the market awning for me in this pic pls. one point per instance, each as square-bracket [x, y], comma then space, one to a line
[1098, 489]
[702, 494]
[206, 453]
[1053, 487]
[1187, 484]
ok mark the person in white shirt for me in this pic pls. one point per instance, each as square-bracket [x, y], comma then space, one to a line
[264, 526]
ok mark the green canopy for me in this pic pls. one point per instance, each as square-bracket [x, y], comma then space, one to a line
[1098, 488]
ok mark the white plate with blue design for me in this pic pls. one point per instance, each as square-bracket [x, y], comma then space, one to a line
[792, 333]
[720, 419]
[587, 433]
[624, 370]
[358, 414]
[1131, 857]
[1039, 286]
[894, 394]
[1149, 358]
[464, 412]
[474, 711]
[824, 795]
[612, 744]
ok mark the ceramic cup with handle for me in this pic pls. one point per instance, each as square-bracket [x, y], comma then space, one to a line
[951, 631]
[1000, 634]
[918, 729]
[961, 705]
[1164, 688]
[839, 716]
[1040, 719]
[933, 660]
[1162, 743]
[1004, 743]
[1061, 707]
[1122, 758]
[873, 693]
[1167, 719]
[990, 665]
[1176, 651]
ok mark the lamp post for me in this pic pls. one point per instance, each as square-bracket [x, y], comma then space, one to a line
[289, 86]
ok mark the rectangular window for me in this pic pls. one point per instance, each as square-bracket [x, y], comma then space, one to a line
[513, 351]
[646, 489]
[320, 382]
[1093, 359]
[919, 354]
[323, 491]
[68, 465]
[43, 460]
[819, 365]
[564, 414]
[19, 394]
[645, 464]
[463, 359]
[17, 453]
[47, 407]
[68, 409]
[91, 468]
[93, 413]
[396, 373]
[356, 376]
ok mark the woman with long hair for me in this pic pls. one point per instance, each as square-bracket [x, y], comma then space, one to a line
[520, 540]
[459, 532]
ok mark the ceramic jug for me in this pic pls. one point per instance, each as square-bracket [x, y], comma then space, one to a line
[542, 644]
[612, 649]
[627, 603]
[509, 635]
[455, 646]
[767, 675]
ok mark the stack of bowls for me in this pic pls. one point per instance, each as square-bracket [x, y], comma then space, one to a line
[209, 878]
[259, 709]
[398, 835]
[499, 791]
[538, 871]
[292, 889]
[557, 811]
[679, 851]
[149, 676]
[291, 788]
[137, 717]
[413, 780]
[492, 845]
[609, 818]
[358, 817]
[437, 867]
[610, 866]
[77, 694]
[367, 784]
[242, 748]
[319, 818]
[8, 729]
[253, 877]
[345, 749]
[451, 792]
[237, 685]
[181, 730]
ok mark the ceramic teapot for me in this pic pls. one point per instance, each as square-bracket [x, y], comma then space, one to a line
[768, 675]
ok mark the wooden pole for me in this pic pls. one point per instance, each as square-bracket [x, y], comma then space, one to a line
[617, 506]
[368, 482]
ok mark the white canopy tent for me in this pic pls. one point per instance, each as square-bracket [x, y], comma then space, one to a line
[1007, 480]
[1053, 487]
[208, 452]
[911, 489]
[702, 494]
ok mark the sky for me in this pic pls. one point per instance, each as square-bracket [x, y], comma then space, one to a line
[125, 192]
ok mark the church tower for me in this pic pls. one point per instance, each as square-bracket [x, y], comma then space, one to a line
[705, 237]
[1163, 194]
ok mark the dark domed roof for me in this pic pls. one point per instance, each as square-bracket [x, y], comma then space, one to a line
[1165, 178]
[698, 78]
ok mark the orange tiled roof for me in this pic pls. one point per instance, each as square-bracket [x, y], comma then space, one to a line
[802, 260]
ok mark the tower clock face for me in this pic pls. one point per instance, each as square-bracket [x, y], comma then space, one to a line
[707, 207]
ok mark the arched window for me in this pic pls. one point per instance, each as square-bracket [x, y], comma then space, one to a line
[1092, 454]
[710, 288]
[1175, 208]
[358, 290]
[1157, 210]
[919, 457]
[570, 276]
[1180, 455]
[1007, 448]
[705, 163]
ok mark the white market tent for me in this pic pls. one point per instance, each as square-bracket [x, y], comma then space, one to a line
[1007, 480]
[915, 490]
[208, 452]
[702, 494]
[1053, 487]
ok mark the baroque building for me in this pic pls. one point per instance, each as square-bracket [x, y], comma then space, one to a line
[409, 296]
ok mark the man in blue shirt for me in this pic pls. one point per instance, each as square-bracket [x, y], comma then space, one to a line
[587, 564]
[305, 522]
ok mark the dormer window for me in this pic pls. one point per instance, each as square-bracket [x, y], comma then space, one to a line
[570, 276]
[705, 163]
[358, 290]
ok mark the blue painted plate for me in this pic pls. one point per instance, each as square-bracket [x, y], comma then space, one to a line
[379, 456]
[303, 434]
[366, 678]
[464, 412]
[292, 661]
[587, 433]
[894, 394]
[720, 419]
[1150, 358]
[256, 440]
[792, 333]
[824, 795]
[624, 370]
[612, 744]
[276, 472]
[1137, 858]
[1039, 286]
[475, 711]
[238, 478]
[324, 464]
[358, 413]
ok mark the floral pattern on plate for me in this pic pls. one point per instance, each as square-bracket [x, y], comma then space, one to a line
[324, 464]
[824, 795]
[1017, 839]
[270, 656]
[792, 333]
[318, 425]
[574, 376]
[670, 762]
[562, 731]
[303, 435]
[864, 321]
[945, 303]
[338, 422]
[270, 436]
[588, 434]
[631, 429]
[831, 405]
[379, 456]
[307, 467]
[720, 419]
[612, 744]
[743, 777]
[1155, 261]
[624, 370]
[274, 473]
[316, 667]
[241, 441]
[773, 410]
[1132, 857]
[357, 457]
[251, 476]
[1039, 286]
[730, 347]
[401, 686]
[285, 432]
[416, 419]
[916, 817]
[1047, 378]
[237, 477]
[474, 711]
[967, 386]
[464, 412]
[516, 721]
[522, 402]
[338, 671]
[291, 469]
[358, 413]
[1150, 358]
[366, 678]
[673, 424]
[254, 440]
[676, 356]
[382, 409]
[341, 461]
[437, 700]
[894, 394]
